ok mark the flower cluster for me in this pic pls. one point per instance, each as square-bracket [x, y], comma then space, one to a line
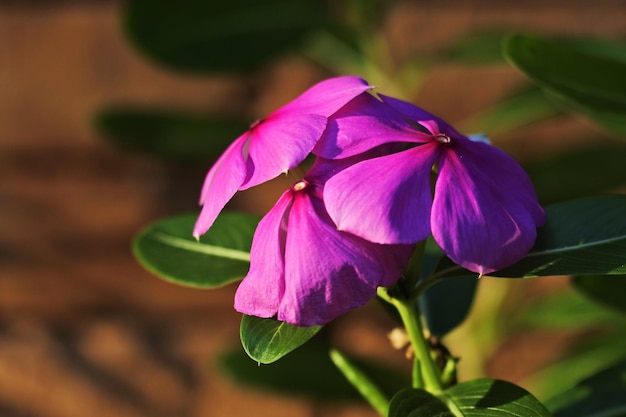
[387, 175]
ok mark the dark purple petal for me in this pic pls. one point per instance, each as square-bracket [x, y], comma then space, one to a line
[385, 200]
[325, 97]
[485, 211]
[434, 124]
[279, 144]
[364, 124]
[328, 272]
[260, 292]
[221, 183]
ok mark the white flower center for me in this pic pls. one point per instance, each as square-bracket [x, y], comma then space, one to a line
[442, 138]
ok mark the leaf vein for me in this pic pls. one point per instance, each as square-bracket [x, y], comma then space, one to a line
[202, 247]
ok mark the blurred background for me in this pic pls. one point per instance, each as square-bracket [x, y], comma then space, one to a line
[84, 330]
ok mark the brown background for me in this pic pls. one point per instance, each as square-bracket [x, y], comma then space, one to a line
[84, 331]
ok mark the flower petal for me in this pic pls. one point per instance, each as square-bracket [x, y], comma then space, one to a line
[326, 97]
[432, 123]
[279, 144]
[221, 183]
[485, 210]
[364, 124]
[411, 111]
[328, 272]
[260, 292]
[385, 200]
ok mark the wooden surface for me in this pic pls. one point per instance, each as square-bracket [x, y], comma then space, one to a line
[84, 331]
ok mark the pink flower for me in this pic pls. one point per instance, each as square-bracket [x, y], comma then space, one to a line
[306, 272]
[274, 144]
[483, 214]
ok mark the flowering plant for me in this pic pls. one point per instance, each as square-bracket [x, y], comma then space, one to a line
[399, 206]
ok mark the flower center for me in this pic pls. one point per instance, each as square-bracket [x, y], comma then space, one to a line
[300, 185]
[442, 138]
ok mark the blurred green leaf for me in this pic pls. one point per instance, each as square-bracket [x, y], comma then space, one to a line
[590, 355]
[307, 371]
[581, 237]
[362, 382]
[584, 75]
[477, 48]
[447, 303]
[480, 397]
[579, 73]
[614, 50]
[170, 134]
[608, 290]
[612, 121]
[566, 309]
[221, 256]
[268, 340]
[600, 395]
[219, 36]
[519, 109]
[578, 173]
[595, 331]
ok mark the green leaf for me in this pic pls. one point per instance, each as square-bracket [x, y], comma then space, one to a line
[477, 48]
[566, 309]
[580, 237]
[597, 338]
[417, 403]
[599, 47]
[447, 303]
[584, 75]
[519, 109]
[307, 371]
[610, 291]
[578, 173]
[268, 340]
[591, 76]
[480, 397]
[601, 395]
[221, 256]
[613, 121]
[171, 134]
[589, 356]
[361, 381]
[219, 36]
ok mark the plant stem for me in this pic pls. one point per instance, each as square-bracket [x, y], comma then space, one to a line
[429, 372]
[361, 382]
[418, 381]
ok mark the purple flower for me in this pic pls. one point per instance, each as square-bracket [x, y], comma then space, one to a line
[306, 272]
[483, 211]
[274, 144]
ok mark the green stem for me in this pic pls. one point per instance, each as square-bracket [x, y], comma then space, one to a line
[361, 382]
[418, 381]
[430, 374]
